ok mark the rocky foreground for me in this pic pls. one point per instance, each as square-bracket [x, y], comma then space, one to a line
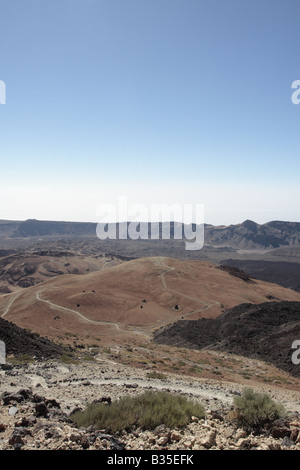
[37, 400]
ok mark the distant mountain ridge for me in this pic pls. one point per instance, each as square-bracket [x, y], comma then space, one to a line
[250, 235]
[43, 228]
[247, 235]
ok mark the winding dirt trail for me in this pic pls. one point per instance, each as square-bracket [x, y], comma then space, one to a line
[145, 332]
[160, 261]
[95, 322]
[7, 309]
[205, 306]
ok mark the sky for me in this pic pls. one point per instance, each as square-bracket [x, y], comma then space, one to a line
[156, 101]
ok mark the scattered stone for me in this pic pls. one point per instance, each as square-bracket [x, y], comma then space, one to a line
[280, 429]
[16, 441]
[84, 442]
[175, 436]
[274, 446]
[244, 444]
[41, 409]
[31, 420]
[240, 434]
[162, 441]
[12, 411]
[209, 440]
[286, 442]
[25, 393]
[8, 398]
[161, 429]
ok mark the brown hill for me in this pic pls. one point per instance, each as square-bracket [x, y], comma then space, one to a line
[35, 266]
[133, 298]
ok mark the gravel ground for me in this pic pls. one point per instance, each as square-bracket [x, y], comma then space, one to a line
[72, 386]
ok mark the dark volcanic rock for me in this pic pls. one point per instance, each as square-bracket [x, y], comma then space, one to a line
[285, 273]
[234, 271]
[265, 331]
[41, 409]
[19, 341]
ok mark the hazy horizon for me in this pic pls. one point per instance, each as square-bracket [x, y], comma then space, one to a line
[162, 101]
[147, 221]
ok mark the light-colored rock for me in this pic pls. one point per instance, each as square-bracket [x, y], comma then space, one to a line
[175, 436]
[12, 410]
[240, 434]
[162, 441]
[210, 439]
[187, 444]
[295, 424]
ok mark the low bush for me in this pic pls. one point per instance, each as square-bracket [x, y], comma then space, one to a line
[156, 375]
[147, 411]
[21, 359]
[255, 410]
[68, 359]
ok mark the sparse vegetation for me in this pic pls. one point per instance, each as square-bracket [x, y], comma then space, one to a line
[156, 375]
[255, 410]
[20, 359]
[146, 411]
[216, 371]
[71, 335]
[261, 322]
[196, 369]
[88, 358]
[68, 359]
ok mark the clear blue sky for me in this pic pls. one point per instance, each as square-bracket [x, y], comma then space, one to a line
[159, 100]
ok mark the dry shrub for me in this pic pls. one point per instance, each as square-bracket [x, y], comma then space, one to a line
[147, 411]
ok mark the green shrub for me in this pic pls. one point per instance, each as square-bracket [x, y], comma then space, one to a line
[21, 359]
[68, 359]
[255, 410]
[88, 358]
[196, 369]
[156, 375]
[147, 411]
